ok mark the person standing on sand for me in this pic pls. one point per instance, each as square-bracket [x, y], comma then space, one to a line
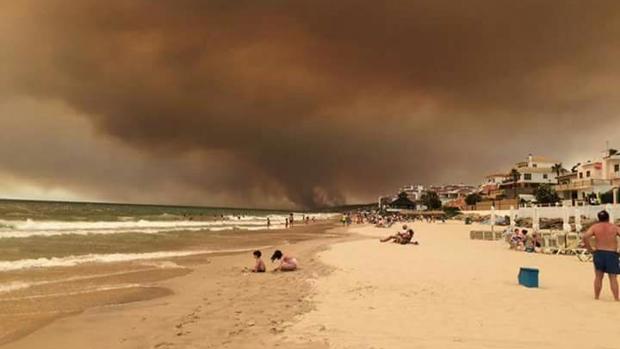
[286, 223]
[606, 258]
[268, 223]
[290, 220]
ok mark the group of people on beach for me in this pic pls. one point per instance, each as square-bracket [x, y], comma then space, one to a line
[605, 254]
[521, 240]
[287, 262]
[290, 221]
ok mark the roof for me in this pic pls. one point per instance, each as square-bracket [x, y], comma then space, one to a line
[403, 202]
[493, 175]
[535, 170]
[538, 158]
[588, 164]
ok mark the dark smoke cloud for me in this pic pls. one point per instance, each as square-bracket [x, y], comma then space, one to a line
[321, 102]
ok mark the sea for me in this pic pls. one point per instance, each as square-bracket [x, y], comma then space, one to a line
[61, 258]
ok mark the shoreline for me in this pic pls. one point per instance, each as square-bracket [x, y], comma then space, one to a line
[353, 292]
[215, 277]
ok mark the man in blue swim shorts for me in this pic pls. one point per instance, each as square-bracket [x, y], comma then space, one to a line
[606, 258]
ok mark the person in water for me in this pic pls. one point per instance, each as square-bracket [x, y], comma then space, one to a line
[287, 263]
[606, 258]
[259, 266]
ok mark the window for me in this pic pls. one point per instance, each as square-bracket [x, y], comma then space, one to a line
[588, 174]
[580, 174]
[617, 168]
[545, 176]
[527, 176]
[534, 165]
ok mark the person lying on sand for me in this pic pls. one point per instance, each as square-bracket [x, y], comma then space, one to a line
[287, 263]
[402, 238]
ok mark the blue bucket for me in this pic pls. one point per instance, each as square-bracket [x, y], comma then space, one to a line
[528, 277]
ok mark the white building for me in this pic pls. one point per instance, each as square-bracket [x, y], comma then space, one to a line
[532, 172]
[592, 177]
[414, 192]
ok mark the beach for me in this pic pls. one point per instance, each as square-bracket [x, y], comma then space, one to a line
[354, 292]
[79, 257]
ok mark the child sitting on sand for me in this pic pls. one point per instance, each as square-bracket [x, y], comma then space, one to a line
[287, 263]
[259, 267]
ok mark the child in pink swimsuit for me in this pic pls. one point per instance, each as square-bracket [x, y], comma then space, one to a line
[287, 263]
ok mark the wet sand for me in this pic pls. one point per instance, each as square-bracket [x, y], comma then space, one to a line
[59, 295]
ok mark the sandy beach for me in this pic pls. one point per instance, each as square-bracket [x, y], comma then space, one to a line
[57, 294]
[451, 292]
[353, 292]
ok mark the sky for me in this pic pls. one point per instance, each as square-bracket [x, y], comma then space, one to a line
[296, 104]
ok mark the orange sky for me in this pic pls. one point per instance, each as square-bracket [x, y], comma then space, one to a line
[297, 103]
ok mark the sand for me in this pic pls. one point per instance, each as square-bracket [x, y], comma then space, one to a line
[451, 292]
[214, 306]
[353, 292]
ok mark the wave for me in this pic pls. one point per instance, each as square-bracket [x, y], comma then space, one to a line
[72, 261]
[74, 293]
[22, 229]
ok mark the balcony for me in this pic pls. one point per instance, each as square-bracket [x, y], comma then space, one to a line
[583, 184]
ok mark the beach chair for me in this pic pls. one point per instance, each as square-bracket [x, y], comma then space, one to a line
[550, 244]
[585, 256]
[488, 235]
[498, 235]
[476, 235]
[572, 246]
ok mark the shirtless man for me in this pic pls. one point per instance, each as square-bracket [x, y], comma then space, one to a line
[606, 259]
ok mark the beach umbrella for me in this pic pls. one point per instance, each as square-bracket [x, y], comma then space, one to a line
[578, 225]
[535, 219]
[565, 219]
[513, 217]
[492, 216]
[610, 210]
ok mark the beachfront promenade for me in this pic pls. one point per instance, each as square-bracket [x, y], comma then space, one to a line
[587, 211]
[452, 292]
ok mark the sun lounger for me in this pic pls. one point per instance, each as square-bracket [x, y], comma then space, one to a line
[550, 244]
[572, 245]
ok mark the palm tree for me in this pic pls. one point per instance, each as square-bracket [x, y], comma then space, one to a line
[557, 168]
[515, 175]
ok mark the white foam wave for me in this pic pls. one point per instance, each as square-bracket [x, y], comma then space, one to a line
[13, 286]
[21, 229]
[74, 293]
[72, 261]
[154, 265]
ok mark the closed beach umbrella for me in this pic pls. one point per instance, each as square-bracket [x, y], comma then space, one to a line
[535, 219]
[578, 225]
[513, 217]
[610, 210]
[492, 216]
[565, 218]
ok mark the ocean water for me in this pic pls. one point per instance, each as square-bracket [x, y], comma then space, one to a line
[56, 234]
[60, 258]
[21, 219]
